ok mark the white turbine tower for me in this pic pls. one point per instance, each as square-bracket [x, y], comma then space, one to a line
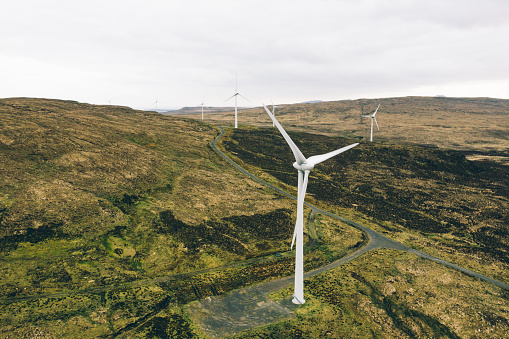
[372, 116]
[235, 96]
[274, 112]
[155, 103]
[303, 166]
[202, 106]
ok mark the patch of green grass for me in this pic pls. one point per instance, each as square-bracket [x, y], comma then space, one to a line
[387, 294]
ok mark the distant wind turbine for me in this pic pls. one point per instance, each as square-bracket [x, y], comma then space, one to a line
[274, 112]
[155, 104]
[372, 116]
[235, 96]
[202, 106]
[303, 166]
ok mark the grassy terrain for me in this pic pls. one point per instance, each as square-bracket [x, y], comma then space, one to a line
[470, 124]
[427, 198]
[112, 219]
[387, 294]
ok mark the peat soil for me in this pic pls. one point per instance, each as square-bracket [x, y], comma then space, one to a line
[251, 307]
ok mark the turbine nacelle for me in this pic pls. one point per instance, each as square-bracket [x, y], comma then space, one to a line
[305, 166]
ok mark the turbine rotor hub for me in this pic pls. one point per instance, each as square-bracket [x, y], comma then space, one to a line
[304, 166]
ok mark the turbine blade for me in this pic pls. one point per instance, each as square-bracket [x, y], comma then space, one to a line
[243, 97]
[299, 157]
[303, 189]
[300, 201]
[230, 97]
[316, 159]
[376, 110]
[300, 181]
[376, 123]
[302, 185]
[294, 236]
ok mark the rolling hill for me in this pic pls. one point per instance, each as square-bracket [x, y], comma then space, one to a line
[96, 197]
[113, 219]
[470, 124]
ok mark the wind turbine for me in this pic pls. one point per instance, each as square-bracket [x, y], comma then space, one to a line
[372, 116]
[202, 105]
[274, 112]
[235, 96]
[155, 104]
[303, 166]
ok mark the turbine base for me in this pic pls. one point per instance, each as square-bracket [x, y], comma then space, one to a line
[298, 301]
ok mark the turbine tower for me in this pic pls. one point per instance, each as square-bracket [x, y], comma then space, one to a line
[303, 166]
[372, 116]
[155, 104]
[274, 112]
[202, 106]
[235, 96]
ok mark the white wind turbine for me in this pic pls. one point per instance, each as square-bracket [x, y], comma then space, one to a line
[372, 116]
[202, 106]
[303, 166]
[235, 96]
[274, 112]
[155, 104]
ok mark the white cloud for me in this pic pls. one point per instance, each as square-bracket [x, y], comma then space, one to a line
[287, 50]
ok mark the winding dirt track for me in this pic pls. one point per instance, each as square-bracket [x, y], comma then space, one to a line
[376, 241]
[250, 307]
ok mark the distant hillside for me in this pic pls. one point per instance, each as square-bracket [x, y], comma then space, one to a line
[474, 124]
[197, 110]
[312, 101]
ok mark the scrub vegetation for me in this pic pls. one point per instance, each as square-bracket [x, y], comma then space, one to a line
[90, 196]
[113, 219]
[110, 216]
[431, 199]
[388, 294]
[476, 125]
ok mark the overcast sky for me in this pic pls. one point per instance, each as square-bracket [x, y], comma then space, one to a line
[181, 52]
